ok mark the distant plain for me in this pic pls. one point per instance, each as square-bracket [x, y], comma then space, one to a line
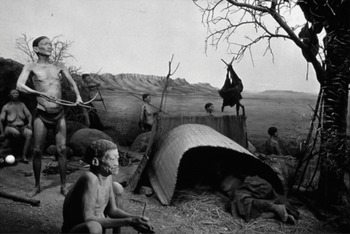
[290, 112]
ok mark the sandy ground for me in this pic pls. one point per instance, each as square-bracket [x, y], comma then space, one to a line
[287, 114]
[181, 217]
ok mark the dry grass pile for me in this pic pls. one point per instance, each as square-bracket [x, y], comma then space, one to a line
[205, 213]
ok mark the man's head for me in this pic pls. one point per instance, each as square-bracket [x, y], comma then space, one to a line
[272, 131]
[14, 94]
[42, 45]
[84, 76]
[209, 107]
[102, 156]
[146, 97]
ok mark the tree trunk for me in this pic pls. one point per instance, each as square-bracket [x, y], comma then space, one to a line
[333, 150]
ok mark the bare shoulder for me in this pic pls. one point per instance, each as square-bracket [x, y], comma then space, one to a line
[30, 66]
[5, 107]
[88, 177]
[59, 65]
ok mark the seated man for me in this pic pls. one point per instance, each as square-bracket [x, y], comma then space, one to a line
[16, 121]
[90, 205]
[274, 145]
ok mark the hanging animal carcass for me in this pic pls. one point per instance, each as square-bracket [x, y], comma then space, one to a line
[231, 91]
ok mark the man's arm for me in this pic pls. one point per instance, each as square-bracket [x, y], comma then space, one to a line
[140, 223]
[27, 114]
[2, 120]
[22, 79]
[72, 83]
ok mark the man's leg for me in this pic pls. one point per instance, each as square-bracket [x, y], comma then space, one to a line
[62, 153]
[88, 227]
[12, 135]
[27, 133]
[39, 141]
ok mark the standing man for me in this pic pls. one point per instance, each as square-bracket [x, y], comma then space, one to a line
[148, 115]
[47, 77]
[16, 121]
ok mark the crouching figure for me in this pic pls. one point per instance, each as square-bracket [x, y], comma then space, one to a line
[90, 205]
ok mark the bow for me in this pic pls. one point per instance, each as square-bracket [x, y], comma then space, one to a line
[69, 103]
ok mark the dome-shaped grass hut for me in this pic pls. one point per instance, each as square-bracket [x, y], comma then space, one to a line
[194, 153]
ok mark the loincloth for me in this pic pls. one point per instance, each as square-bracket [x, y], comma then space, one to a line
[49, 119]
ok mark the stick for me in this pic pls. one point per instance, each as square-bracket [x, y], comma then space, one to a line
[133, 181]
[144, 208]
[33, 202]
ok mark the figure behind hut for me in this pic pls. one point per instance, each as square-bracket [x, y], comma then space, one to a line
[209, 108]
[274, 145]
[148, 114]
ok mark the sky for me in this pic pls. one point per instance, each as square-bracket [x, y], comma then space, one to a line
[139, 36]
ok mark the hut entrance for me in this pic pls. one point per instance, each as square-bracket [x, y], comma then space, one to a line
[207, 168]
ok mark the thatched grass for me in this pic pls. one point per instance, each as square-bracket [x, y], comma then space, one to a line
[204, 212]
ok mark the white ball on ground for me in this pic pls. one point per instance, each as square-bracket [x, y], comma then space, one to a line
[10, 159]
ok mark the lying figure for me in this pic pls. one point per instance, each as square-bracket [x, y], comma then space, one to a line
[253, 197]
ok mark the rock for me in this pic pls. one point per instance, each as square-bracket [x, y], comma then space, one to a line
[72, 127]
[52, 151]
[141, 142]
[82, 138]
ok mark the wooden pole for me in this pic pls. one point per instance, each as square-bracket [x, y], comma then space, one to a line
[18, 198]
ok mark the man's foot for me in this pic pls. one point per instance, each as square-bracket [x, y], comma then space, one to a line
[36, 191]
[283, 215]
[64, 190]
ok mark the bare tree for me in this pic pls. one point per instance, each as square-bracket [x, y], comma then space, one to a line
[225, 18]
[59, 53]
[23, 44]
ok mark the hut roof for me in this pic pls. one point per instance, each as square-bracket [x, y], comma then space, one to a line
[172, 146]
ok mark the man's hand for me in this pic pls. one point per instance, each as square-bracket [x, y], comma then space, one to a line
[79, 100]
[50, 98]
[141, 224]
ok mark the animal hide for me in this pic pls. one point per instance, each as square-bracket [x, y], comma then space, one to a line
[231, 91]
